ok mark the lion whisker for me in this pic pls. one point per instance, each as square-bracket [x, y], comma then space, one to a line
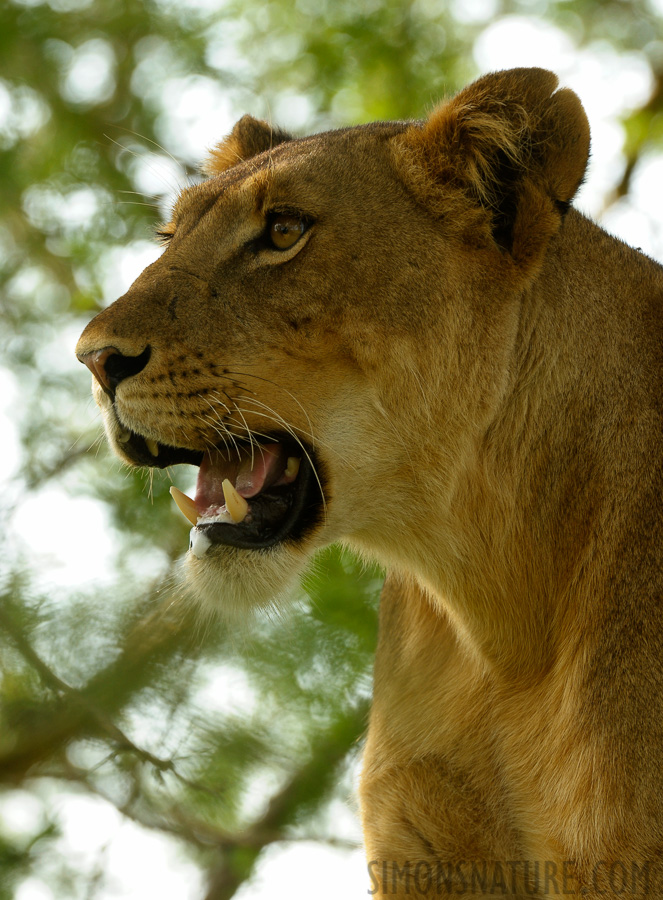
[223, 432]
[156, 144]
[249, 433]
[279, 420]
[304, 451]
[226, 430]
[316, 442]
[176, 188]
[281, 388]
[154, 206]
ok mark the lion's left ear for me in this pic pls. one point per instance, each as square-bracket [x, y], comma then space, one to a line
[502, 160]
[248, 138]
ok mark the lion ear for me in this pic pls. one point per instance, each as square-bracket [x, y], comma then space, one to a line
[248, 138]
[507, 154]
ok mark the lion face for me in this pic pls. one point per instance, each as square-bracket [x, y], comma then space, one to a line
[323, 337]
[236, 351]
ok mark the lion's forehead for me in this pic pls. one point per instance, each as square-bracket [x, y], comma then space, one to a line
[304, 163]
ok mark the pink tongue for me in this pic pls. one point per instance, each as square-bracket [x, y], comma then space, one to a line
[268, 464]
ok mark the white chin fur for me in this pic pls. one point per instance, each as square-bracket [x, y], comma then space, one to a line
[232, 583]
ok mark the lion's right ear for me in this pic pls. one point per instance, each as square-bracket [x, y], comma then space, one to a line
[248, 138]
[502, 160]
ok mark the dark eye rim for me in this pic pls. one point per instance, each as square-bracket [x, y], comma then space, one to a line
[265, 239]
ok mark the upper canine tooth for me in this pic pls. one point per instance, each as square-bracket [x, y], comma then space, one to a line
[235, 504]
[123, 436]
[185, 504]
[152, 446]
[292, 467]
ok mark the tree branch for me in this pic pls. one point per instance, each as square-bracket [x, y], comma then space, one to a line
[87, 712]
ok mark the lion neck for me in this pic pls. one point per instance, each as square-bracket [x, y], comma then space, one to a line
[516, 539]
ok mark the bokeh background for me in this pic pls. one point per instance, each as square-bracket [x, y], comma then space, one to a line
[143, 754]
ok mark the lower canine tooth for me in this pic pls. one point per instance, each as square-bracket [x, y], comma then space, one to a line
[292, 467]
[152, 446]
[235, 504]
[185, 504]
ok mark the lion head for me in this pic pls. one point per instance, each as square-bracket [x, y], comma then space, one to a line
[330, 326]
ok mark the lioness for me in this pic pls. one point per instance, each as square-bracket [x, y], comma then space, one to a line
[400, 336]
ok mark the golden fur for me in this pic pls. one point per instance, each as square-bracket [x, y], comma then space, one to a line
[479, 372]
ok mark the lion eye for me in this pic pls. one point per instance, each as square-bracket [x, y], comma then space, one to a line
[285, 231]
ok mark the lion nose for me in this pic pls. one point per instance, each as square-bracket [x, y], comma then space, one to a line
[110, 367]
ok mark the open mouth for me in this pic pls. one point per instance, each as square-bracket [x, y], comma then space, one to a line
[250, 495]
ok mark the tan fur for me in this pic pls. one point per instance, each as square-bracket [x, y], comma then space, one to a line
[480, 376]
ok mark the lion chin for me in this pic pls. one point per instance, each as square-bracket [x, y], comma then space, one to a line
[250, 582]
[403, 337]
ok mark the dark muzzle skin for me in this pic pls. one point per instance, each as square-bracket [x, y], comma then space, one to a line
[110, 367]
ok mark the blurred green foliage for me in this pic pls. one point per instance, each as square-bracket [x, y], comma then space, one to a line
[107, 689]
